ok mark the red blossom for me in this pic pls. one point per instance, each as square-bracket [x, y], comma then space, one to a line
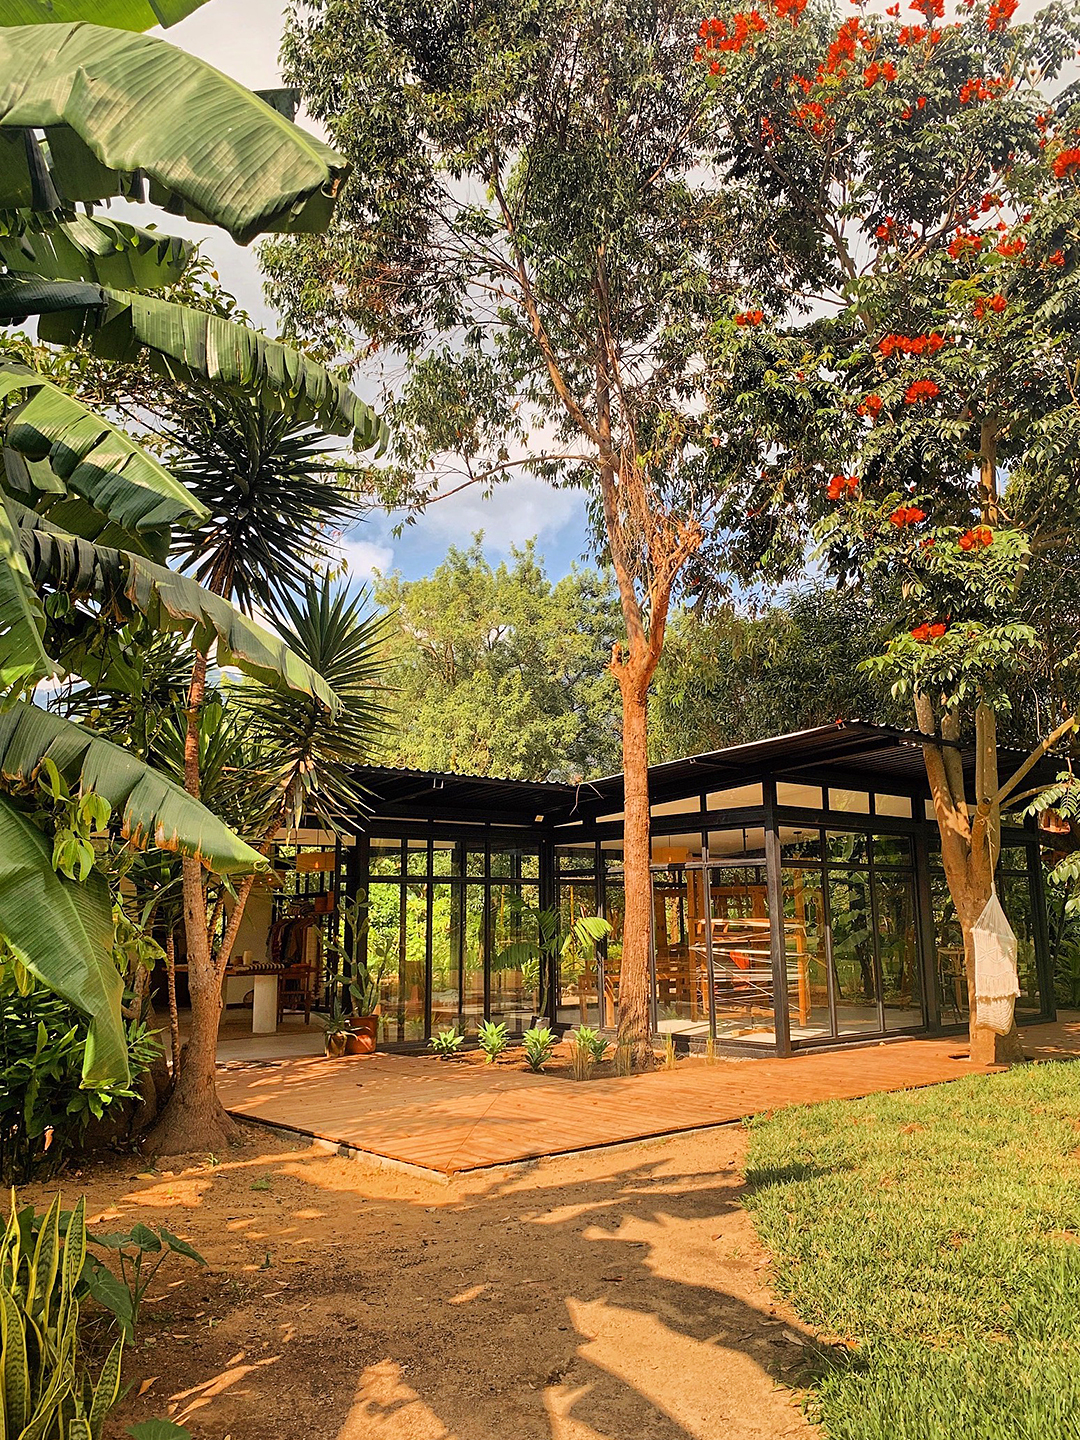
[870, 405]
[997, 303]
[1057, 258]
[1066, 162]
[841, 485]
[905, 515]
[912, 344]
[979, 537]
[937, 630]
[750, 317]
[921, 390]
[1010, 247]
[1000, 13]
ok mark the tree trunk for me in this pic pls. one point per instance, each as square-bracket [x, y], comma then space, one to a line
[194, 1118]
[634, 988]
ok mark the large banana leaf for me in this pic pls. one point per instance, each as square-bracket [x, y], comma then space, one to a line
[121, 14]
[152, 810]
[170, 602]
[90, 456]
[24, 295]
[99, 251]
[181, 342]
[23, 660]
[62, 932]
[113, 104]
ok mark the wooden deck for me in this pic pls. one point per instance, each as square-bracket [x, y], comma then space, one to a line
[453, 1118]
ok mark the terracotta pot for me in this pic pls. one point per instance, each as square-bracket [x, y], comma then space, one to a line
[363, 1032]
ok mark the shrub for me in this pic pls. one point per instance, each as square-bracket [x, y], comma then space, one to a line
[446, 1042]
[539, 1042]
[493, 1040]
[588, 1048]
[44, 1108]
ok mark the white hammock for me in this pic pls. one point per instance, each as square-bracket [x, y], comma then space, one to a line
[996, 981]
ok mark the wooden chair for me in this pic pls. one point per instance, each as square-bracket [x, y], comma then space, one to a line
[296, 990]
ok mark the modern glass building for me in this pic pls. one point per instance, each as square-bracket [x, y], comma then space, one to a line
[798, 898]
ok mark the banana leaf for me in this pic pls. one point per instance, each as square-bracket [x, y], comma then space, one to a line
[25, 295]
[62, 932]
[183, 343]
[152, 810]
[23, 660]
[121, 14]
[113, 104]
[170, 601]
[99, 251]
[89, 455]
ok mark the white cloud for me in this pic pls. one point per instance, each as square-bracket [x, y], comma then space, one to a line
[363, 557]
[513, 513]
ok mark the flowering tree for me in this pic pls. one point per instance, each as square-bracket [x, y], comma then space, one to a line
[921, 184]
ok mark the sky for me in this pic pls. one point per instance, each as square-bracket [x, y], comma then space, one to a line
[241, 37]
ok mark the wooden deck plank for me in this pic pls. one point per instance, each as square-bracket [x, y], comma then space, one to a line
[451, 1118]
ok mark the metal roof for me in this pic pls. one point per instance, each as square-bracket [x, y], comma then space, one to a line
[845, 753]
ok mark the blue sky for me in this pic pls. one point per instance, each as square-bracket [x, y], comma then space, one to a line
[241, 37]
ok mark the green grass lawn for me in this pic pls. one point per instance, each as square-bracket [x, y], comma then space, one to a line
[937, 1235]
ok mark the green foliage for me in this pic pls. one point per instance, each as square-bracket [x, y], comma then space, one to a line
[140, 1252]
[501, 672]
[587, 1049]
[492, 1039]
[45, 1102]
[447, 1042]
[934, 1233]
[539, 1042]
[44, 1387]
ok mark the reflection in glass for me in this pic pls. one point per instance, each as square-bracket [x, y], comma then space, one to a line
[948, 952]
[679, 910]
[444, 975]
[474, 948]
[515, 967]
[852, 926]
[615, 915]
[413, 988]
[846, 847]
[385, 857]
[383, 954]
[1014, 892]
[416, 857]
[804, 797]
[807, 957]
[578, 994]
[799, 842]
[676, 849]
[740, 844]
[892, 850]
[901, 985]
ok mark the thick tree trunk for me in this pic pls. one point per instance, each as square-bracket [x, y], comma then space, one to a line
[194, 1118]
[634, 989]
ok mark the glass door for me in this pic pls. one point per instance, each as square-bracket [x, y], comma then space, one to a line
[681, 950]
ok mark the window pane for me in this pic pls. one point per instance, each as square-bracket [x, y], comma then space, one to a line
[689, 806]
[615, 915]
[898, 947]
[1015, 894]
[414, 974]
[734, 798]
[806, 797]
[515, 956]
[676, 849]
[845, 847]
[474, 862]
[385, 857]
[578, 998]
[474, 946]
[949, 950]
[576, 859]
[807, 962]
[737, 844]
[800, 842]
[857, 802]
[416, 857]
[741, 951]
[682, 997]
[445, 922]
[852, 927]
[893, 805]
[892, 850]
[383, 952]
[446, 859]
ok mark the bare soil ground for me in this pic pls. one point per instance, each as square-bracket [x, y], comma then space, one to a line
[616, 1295]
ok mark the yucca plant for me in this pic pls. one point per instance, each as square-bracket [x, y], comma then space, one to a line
[45, 1391]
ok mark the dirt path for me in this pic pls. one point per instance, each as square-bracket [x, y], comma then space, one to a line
[618, 1295]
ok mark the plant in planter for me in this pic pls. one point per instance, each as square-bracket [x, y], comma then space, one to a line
[588, 1048]
[539, 1042]
[352, 1023]
[447, 1043]
[493, 1040]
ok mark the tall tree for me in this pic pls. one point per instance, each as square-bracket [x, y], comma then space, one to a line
[532, 227]
[923, 178]
[497, 671]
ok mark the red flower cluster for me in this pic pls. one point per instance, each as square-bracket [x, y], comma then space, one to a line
[916, 34]
[996, 303]
[870, 405]
[908, 111]
[912, 344]
[887, 229]
[907, 515]
[1000, 13]
[813, 116]
[841, 485]
[1010, 248]
[717, 36]
[843, 49]
[932, 9]
[1057, 258]
[925, 632]
[982, 535]
[921, 390]
[980, 88]
[794, 8]
[750, 317]
[1066, 162]
[964, 244]
[875, 72]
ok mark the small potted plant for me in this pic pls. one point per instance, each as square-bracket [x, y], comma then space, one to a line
[354, 994]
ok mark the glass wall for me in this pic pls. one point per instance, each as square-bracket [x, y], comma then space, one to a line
[452, 935]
